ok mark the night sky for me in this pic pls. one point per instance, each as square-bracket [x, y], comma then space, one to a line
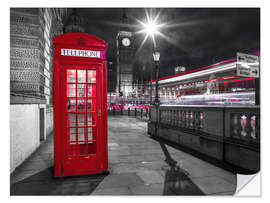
[198, 36]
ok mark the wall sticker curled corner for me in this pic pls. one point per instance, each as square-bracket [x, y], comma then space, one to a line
[248, 185]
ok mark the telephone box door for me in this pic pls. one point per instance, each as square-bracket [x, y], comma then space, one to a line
[81, 119]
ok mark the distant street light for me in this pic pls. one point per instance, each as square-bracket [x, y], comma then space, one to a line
[179, 69]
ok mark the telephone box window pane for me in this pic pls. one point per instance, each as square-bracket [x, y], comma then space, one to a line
[91, 112]
[71, 75]
[91, 105]
[81, 76]
[91, 75]
[71, 105]
[71, 120]
[90, 135]
[81, 119]
[80, 103]
[71, 90]
[72, 134]
[81, 91]
[91, 121]
[91, 90]
[81, 135]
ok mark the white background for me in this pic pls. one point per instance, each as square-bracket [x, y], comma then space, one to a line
[265, 100]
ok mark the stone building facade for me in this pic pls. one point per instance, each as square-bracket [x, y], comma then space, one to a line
[31, 67]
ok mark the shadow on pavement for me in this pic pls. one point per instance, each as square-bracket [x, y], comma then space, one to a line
[44, 183]
[177, 181]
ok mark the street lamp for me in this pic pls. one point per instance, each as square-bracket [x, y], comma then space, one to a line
[156, 56]
[151, 28]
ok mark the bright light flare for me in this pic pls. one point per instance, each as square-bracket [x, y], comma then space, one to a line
[151, 28]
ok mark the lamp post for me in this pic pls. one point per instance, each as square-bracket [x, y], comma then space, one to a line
[151, 85]
[151, 29]
[156, 56]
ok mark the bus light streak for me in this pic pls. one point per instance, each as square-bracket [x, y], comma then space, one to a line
[243, 79]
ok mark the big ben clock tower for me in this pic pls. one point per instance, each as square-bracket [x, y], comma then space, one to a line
[125, 57]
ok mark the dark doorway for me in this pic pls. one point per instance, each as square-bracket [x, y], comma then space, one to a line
[41, 125]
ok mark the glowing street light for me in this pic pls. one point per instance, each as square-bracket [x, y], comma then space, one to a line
[151, 28]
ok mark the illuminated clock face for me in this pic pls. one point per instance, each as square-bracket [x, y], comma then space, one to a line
[126, 42]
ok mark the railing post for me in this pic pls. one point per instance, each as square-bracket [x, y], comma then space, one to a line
[113, 111]
[157, 120]
[135, 112]
[128, 111]
[141, 112]
[223, 134]
[257, 91]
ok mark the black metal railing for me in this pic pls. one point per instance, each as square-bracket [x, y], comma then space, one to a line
[138, 112]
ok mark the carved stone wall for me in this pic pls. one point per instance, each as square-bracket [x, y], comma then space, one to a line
[31, 53]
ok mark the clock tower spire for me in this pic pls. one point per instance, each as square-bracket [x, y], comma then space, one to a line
[125, 57]
[124, 17]
[125, 22]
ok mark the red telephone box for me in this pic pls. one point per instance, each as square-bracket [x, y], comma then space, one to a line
[80, 105]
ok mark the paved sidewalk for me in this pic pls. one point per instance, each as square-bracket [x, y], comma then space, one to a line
[136, 165]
